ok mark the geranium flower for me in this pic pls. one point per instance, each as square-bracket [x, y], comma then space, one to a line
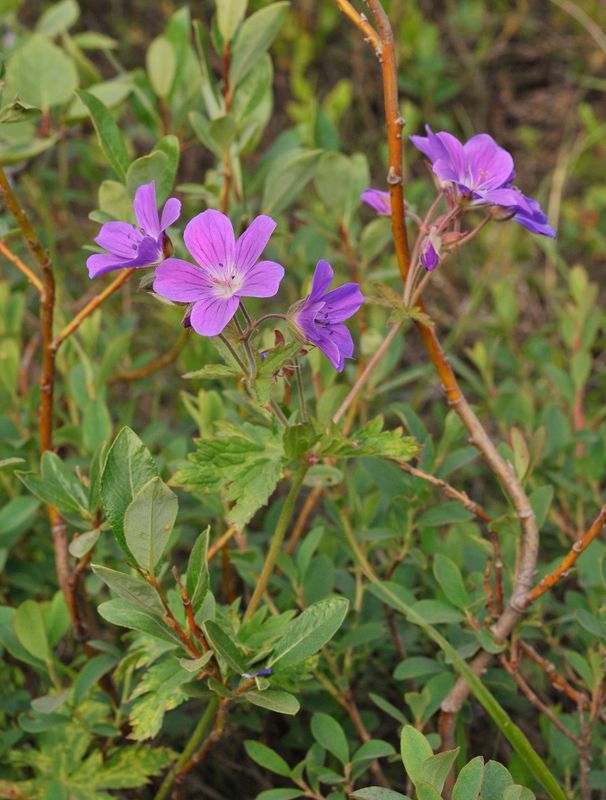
[380, 201]
[319, 318]
[131, 245]
[484, 172]
[227, 270]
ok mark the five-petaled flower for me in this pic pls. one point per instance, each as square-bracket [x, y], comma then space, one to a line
[228, 270]
[483, 172]
[141, 245]
[319, 318]
[380, 201]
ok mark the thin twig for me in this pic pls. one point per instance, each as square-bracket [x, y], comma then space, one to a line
[22, 266]
[153, 366]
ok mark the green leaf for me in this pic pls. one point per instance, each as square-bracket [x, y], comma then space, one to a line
[280, 794]
[18, 111]
[230, 14]
[416, 667]
[90, 673]
[40, 74]
[372, 749]
[128, 467]
[243, 461]
[126, 615]
[266, 758]
[425, 791]
[496, 780]
[92, 40]
[444, 514]
[309, 632]
[377, 793]
[18, 513]
[115, 200]
[540, 500]
[436, 768]
[80, 546]
[221, 643]
[57, 485]
[414, 749]
[197, 579]
[435, 612]
[287, 177]
[108, 133]
[254, 39]
[591, 623]
[280, 702]
[196, 664]
[371, 440]
[328, 733]
[448, 575]
[469, 780]
[58, 18]
[96, 424]
[169, 145]
[213, 372]
[132, 766]
[517, 792]
[160, 690]
[146, 169]
[134, 590]
[29, 628]
[148, 522]
[299, 439]
[161, 64]
[49, 703]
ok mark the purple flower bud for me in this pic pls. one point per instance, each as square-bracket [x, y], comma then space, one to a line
[265, 672]
[430, 256]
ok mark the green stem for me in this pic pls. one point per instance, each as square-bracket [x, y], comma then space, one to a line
[233, 352]
[300, 392]
[276, 542]
[198, 735]
[500, 717]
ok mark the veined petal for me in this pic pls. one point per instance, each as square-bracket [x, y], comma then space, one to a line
[508, 198]
[488, 165]
[262, 280]
[170, 213]
[146, 209]
[343, 302]
[322, 279]
[120, 238]
[100, 263]
[181, 281]
[252, 242]
[210, 315]
[147, 255]
[209, 237]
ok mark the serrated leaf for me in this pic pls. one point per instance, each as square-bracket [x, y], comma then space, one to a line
[309, 632]
[273, 700]
[148, 522]
[371, 440]
[128, 467]
[133, 766]
[108, 133]
[160, 690]
[244, 462]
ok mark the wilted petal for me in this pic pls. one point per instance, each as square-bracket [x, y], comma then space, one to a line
[170, 213]
[210, 315]
[252, 242]
[209, 237]
[322, 279]
[262, 280]
[488, 165]
[181, 281]
[146, 209]
[120, 238]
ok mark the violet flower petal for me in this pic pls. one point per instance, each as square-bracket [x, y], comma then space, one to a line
[100, 263]
[120, 238]
[322, 279]
[487, 165]
[211, 314]
[181, 281]
[146, 209]
[209, 237]
[252, 242]
[380, 201]
[343, 302]
[170, 213]
[261, 280]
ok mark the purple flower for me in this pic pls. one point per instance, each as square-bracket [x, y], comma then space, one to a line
[380, 201]
[482, 171]
[430, 253]
[319, 318]
[132, 246]
[228, 270]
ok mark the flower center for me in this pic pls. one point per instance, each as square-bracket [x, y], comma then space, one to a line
[226, 280]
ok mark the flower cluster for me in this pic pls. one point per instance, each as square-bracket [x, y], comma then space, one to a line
[226, 270]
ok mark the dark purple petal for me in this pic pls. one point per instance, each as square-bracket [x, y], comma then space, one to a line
[252, 242]
[534, 220]
[181, 281]
[146, 209]
[120, 239]
[343, 302]
[322, 279]
[380, 201]
[210, 315]
[262, 280]
[209, 237]
[488, 165]
[170, 213]
[430, 257]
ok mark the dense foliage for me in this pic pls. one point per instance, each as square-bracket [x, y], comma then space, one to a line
[241, 553]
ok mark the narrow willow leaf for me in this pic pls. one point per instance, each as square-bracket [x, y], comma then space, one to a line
[134, 590]
[254, 38]
[108, 133]
[28, 624]
[197, 578]
[148, 522]
[221, 643]
[309, 632]
[280, 702]
[267, 758]
[328, 733]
